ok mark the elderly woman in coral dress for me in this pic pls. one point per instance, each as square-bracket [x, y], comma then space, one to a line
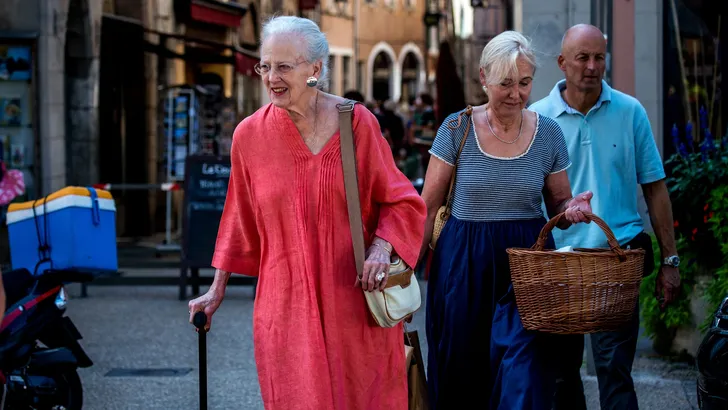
[285, 220]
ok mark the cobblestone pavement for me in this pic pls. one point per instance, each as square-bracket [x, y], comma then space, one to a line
[145, 330]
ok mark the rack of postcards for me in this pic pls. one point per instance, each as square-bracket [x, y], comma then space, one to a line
[179, 137]
[180, 130]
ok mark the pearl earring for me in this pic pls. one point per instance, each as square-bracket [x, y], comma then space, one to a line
[485, 89]
[312, 81]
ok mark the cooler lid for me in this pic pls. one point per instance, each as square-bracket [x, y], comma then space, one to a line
[67, 191]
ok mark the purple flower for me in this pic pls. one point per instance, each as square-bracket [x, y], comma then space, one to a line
[675, 136]
[683, 151]
[709, 140]
[689, 135]
[703, 118]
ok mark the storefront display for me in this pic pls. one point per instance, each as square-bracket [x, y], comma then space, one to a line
[179, 132]
[197, 120]
[17, 131]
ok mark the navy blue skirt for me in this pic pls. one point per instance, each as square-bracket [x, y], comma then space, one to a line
[478, 351]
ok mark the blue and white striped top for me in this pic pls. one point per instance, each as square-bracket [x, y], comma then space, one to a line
[491, 188]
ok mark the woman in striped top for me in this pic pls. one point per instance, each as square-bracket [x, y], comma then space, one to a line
[512, 161]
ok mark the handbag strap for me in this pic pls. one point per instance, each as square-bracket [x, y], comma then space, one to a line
[348, 159]
[468, 112]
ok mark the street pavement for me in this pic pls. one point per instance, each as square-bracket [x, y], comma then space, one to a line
[145, 354]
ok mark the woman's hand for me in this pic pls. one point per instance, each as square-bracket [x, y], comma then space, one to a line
[208, 303]
[376, 267]
[576, 207]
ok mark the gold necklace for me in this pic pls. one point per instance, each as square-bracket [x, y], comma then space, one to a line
[496, 136]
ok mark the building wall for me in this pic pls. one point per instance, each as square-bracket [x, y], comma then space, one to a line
[636, 46]
[20, 15]
[648, 63]
[337, 21]
[269, 8]
[623, 42]
[545, 22]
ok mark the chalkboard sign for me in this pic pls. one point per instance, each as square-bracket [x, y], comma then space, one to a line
[205, 188]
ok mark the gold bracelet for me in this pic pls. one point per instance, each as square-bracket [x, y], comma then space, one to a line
[389, 251]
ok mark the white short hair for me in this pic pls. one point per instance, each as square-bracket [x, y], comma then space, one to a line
[500, 56]
[317, 46]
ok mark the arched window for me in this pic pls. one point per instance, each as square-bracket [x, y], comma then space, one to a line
[382, 77]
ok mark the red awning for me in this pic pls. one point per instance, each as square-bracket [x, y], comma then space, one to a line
[244, 64]
[307, 4]
[205, 12]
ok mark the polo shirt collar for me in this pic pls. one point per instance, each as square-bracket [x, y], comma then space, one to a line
[559, 106]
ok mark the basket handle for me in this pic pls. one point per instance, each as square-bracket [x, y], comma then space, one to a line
[551, 224]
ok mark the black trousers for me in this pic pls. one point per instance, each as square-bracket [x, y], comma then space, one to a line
[613, 357]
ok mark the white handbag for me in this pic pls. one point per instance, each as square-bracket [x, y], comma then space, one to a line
[401, 296]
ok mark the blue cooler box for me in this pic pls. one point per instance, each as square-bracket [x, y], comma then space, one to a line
[77, 226]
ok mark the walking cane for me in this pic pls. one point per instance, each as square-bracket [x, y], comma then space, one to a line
[200, 320]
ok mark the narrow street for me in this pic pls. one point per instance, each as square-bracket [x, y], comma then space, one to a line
[145, 354]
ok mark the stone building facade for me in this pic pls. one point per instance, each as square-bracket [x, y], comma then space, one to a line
[56, 141]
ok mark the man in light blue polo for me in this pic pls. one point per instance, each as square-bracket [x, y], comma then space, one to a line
[613, 152]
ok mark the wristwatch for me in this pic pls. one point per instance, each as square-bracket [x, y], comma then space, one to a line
[672, 260]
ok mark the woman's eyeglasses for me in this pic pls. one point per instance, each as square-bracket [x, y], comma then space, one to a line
[280, 68]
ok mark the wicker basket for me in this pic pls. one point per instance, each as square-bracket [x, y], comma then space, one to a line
[579, 292]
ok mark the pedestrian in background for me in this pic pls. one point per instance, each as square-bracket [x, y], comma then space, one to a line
[512, 160]
[285, 220]
[354, 95]
[423, 128]
[611, 144]
[393, 125]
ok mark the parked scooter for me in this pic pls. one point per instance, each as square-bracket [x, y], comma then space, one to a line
[712, 363]
[39, 349]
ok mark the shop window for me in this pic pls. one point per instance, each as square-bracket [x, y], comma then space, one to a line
[346, 73]
[382, 77]
[410, 74]
[17, 136]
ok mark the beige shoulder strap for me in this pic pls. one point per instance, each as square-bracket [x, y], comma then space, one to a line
[348, 159]
[453, 126]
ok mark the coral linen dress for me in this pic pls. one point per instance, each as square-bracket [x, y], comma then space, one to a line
[285, 220]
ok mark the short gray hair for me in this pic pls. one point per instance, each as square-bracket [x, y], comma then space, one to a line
[317, 47]
[500, 55]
